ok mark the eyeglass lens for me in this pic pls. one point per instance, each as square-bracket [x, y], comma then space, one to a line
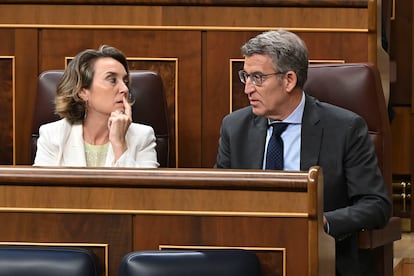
[256, 79]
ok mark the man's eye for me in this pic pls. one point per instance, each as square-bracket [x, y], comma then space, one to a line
[257, 78]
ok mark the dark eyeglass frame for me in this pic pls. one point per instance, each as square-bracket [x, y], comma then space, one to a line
[257, 79]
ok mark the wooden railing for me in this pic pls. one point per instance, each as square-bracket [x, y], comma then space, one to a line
[115, 211]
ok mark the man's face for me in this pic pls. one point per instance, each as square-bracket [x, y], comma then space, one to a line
[270, 98]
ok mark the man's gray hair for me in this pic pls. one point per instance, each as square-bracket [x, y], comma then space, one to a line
[287, 50]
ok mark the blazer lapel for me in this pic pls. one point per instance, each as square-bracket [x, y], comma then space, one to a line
[74, 150]
[312, 132]
[109, 156]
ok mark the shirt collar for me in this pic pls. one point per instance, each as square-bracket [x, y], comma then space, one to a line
[296, 116]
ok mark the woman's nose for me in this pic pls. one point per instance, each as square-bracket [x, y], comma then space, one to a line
[123, 88]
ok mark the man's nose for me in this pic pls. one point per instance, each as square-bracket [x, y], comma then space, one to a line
[249, 87]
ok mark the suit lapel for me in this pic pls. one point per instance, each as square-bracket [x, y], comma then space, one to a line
[257, 136]
[311, 137]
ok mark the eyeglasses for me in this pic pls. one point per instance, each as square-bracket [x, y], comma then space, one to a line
[256, 78]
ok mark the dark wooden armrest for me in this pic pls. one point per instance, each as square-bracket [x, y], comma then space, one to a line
[369, 239]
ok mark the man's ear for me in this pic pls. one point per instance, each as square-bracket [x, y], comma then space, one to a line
[290, 81]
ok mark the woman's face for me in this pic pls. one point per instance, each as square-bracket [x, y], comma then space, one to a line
[109, 87]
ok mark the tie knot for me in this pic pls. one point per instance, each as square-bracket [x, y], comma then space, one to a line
[278, 128]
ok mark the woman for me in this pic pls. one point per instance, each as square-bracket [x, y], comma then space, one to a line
[96, 128]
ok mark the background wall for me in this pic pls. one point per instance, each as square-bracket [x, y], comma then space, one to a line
[401, 98]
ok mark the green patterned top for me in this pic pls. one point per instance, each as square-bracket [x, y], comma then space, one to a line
[95, 154]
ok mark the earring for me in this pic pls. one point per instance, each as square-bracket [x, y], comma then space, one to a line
[86, 109]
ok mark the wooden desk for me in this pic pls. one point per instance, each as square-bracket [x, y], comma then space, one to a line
[114, 211]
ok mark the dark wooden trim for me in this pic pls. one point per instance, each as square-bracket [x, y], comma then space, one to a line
[155, 178]
[240, 3]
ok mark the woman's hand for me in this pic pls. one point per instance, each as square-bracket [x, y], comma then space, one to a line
[118, 125]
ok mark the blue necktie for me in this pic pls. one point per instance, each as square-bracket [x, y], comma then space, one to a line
[274, 155]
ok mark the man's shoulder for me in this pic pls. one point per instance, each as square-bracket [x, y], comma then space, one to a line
[241, 113]
[329, 110]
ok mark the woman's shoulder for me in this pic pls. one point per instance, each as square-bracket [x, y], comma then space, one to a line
[60, 128]
[137, 128]
[55, 125]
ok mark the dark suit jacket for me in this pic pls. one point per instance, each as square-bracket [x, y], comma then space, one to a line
[336, 139]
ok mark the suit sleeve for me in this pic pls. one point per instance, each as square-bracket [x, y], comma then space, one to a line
[369, 206]
[223, 155]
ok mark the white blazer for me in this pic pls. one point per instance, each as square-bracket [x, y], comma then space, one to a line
[61, 144]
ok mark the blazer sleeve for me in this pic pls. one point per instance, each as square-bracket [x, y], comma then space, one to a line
[49, 143]
[141, 152]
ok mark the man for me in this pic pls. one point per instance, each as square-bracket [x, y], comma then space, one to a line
[355, 198]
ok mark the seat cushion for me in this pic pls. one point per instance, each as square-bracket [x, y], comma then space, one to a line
[220, 262]
[46, 261]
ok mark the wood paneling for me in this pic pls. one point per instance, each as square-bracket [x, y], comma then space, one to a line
[21, 44]
[26, 52]
[401, 97]
[7, 88]
[401, 141]
[279, 217]
[248, 3]
[95, 232]
[401, 54]
[216, 232]
[258, 16]
[405, 267]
